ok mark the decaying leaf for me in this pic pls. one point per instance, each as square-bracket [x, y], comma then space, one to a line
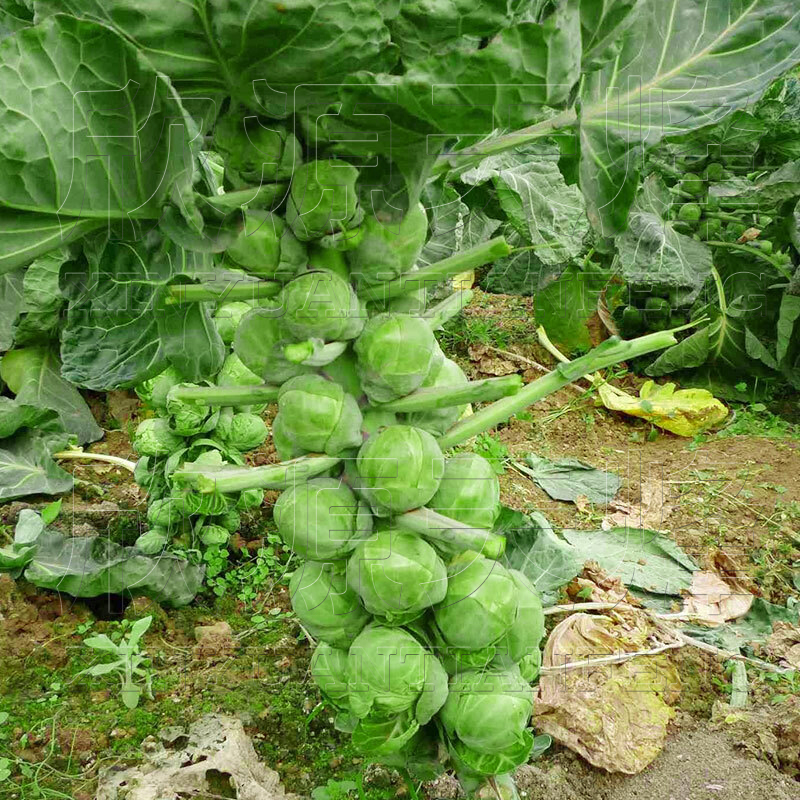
[784, 644]
[714, 601]
[488, 362]
[192, 764]
[595, 585]
[650, 512]
[615, 716]
[685, 412]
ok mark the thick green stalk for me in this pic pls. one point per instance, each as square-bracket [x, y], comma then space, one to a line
[226, 395]
[482, 391]
[438, 528]
[477, 256]
[237, 479]
[79, 455]
[201, 293]
[257, 197]
[610, 352]
[449, 307]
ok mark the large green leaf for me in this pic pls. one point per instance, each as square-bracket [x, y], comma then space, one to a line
[652, 252]
[15, 415]
[267, 55]
[90, 566]
[27, 467]
[83, 122]
[538, 202]
[34, 375]
[683, 65]
[602, 23]
[569, 478]
[643, 559]
[112, 337]
[11, 305]
[43, 299]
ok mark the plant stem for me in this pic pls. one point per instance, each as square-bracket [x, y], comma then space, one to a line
[432, 525]
[257, 196]
[79, 455]
[482, 391]
[466, 158]
[274, 476]
[476, 256]
[610, 352]
[241, 290]
[448, 308]
[752, 251]
[226, 395]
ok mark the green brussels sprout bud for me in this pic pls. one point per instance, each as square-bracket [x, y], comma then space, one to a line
[325, 605]
[329, 671]
[230, 520]
[488, 710]
[398, 575]
[249, 499]
[690, 212]
[395, 355]
[321, 305]
[391, 672]
[227, 319]
[242, 431]
[399, 468]
[152, 542]
[527, 631]
[531, 665]
[154, 390]
[255, 151]
[388, 249]
[187, 418]
[715, 172]
[154, 437]
[322, 519]
[284, 446]
[214, 535]
[693, 183]
[259, 342]
[469, 491]
[266, 247]
[323, 199]
[440, 420]
[166, 512]
[328, 259]
[481, 603]
[318, 415]
[375, 420]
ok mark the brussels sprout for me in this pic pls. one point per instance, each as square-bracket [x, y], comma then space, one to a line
[388, 249]
[242, 431]
[166, 512]
[375, 420]
[521, 643]
[187, 418]
[230, 520]
[322, 519]
[480, 605]
[154, 390]
[152, 542]
[325, 605]
[266, 247]
[488, 710]
[214, 535]
[693, 183]
[259, 342]
[235, 373]
[284, 446]
[398, 575]
[323, 199]
[249, 499]
[329, 671]
[469, 491]
[440, 420]
[322, 305]
[318, 415]
[207, 504]
[227, 318]
[255, 151]
[154, 437]
[690, 212]
[395, 355]
[399, 468]
[391, 672]
[326, 258]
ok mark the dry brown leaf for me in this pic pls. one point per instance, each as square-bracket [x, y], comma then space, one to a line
[784, 643]
[615, 716]
[716, 601]
[489, 363]
[604, 588]
[650, 512]
[749, 235]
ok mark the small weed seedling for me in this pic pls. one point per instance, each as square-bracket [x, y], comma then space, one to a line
[127, 663]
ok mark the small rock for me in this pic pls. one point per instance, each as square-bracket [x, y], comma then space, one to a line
[221, 628]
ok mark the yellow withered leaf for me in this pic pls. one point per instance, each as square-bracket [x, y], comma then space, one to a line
[684, 412]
